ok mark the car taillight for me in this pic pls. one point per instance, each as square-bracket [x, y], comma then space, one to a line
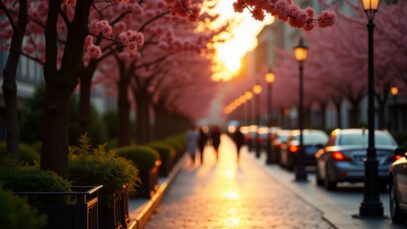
[294, 149]
[339, 156]
[394, 158]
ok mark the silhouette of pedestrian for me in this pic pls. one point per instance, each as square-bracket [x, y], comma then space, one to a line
[203, 138]
[239, 140]
[215, 136]
[192, 142]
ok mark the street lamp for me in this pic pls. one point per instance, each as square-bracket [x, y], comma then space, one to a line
[249, 95]
[394, 92]
[257, 90]
[371, 205]
[300, 54]
[269, 77]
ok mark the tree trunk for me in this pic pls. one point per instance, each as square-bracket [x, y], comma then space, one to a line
[338, 108]
[159, 123]
[123, 130]
[84, 104]
[85, 96]
[60, 83]
[54, 155]
[142, 119]
[323, 107]
[354, 113]
[9, 83]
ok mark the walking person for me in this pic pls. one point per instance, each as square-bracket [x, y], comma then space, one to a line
[215, 137]
[203, 138]
[239, 140]
[192, 137]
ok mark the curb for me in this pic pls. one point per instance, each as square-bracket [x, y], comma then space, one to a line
[142, 218]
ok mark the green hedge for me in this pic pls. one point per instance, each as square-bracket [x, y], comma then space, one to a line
[142, 156]
[27, 155]
[164, 149]
[97, 166]
[176, 141]
[16, 213]
[32, 179]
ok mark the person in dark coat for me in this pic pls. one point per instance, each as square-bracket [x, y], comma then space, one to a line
[215, 137]
[203, 138]
[239, 140]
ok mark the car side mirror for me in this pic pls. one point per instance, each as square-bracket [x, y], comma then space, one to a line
[400, 152]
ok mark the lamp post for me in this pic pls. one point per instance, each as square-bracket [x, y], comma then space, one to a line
[300, 54]
[371, 205]
[257, 90]
[394, 92]
[249, 95]
[269, 77]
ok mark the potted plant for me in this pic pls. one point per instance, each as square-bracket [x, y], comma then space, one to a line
[167, 156]
[118, 176]
[147, 160]
[64, 206]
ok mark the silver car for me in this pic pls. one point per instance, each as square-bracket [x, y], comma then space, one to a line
[342, 159]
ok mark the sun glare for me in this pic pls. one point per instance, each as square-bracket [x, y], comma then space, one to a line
[243, 39]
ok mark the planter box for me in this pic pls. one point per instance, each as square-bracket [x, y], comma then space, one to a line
[166, 166]
[116, 215]
[149, 181]
[83, 213]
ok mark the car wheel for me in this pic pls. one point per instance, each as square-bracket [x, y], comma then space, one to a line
[320, 182]
[397, 216]
[328, 183]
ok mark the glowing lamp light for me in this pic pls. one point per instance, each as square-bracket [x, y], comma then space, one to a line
[394, 91]
[370, 7]
[257, 89]
[301, 51]
[248, 95]
[270, 77]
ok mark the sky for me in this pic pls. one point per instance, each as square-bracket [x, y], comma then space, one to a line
[230, 52]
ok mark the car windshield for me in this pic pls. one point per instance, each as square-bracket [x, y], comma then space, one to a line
[351, 139]
[313, 138]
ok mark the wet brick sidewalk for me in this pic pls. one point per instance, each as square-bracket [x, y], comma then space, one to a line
[227, 195]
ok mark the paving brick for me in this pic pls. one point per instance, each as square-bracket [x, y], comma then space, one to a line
[227, 195]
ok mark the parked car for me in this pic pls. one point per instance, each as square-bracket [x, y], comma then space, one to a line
[342, 159]
[279, 143]
[313, 141]
[398, 187]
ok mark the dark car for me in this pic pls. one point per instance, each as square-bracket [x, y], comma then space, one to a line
[398, 187]
[342, 159]
[279, 143]
[313, 141]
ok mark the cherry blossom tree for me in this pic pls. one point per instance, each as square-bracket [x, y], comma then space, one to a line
[18, 26]
[287, 11]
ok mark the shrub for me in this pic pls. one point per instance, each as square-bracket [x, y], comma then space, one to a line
[164, 149]
[32, 179]
[142, 156]
[37, 147]
[27, 155]
[16, 213]
[177, 141]
[97, 166]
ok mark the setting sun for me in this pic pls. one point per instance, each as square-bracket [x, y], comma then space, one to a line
[241, 40]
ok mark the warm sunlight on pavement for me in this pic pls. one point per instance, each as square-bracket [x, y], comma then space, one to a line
[226, 195]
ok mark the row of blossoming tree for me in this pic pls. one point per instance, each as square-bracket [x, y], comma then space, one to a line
[336, 69]
[154, 54]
